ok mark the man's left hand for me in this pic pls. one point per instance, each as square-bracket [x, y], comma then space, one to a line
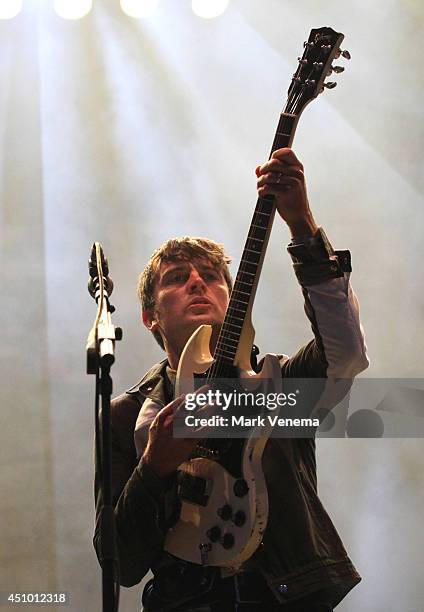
[282, 176]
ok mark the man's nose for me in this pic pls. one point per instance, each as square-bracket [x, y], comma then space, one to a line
[195, 281]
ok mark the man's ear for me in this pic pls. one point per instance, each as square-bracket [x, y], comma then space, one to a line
[149, 319]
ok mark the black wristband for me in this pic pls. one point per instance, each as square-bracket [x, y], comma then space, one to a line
[315, 248]
[315, 261]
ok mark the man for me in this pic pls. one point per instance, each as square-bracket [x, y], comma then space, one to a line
[301, 565]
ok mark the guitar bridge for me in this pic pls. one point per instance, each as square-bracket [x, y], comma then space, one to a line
[207, 453]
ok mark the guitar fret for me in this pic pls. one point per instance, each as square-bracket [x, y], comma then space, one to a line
[237, 305]
[249, 273]
[238, 310]
[253, 263]
[233, 333]
[221, 351]
[247, 283]
[230, 318]
[259, 227]
[236, 326]
[220, 364]
[238, 318]
[236, 339]
[257, 243]
[232, 325]
[229, 340]
[236, 334]
[249, 263]
[261, 223]
[237, 302]
[242, 304]
[239, 291]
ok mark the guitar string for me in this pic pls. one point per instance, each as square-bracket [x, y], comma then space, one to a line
[285, 126]
[254, 236]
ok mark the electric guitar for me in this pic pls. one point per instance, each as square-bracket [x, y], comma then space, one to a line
[224, 502]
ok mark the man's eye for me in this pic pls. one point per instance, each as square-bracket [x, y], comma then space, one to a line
[210, 275]
[176, 277]
[179, 276]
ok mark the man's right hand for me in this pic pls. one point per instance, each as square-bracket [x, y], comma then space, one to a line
[164, 453]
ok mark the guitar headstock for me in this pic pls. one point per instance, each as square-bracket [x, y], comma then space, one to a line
[321, 48]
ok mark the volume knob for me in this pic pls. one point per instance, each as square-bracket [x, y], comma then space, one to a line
[239, 518]
[226, 512]
[240, 488]
[214, 533]
[228, 540]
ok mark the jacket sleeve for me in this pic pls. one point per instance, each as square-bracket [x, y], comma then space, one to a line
[140, 499]
[338, 350]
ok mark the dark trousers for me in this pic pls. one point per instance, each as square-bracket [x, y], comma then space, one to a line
[242, 593]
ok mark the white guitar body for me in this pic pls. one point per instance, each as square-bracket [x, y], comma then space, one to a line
[228, 528]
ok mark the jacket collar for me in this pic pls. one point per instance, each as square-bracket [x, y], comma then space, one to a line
[153, 383]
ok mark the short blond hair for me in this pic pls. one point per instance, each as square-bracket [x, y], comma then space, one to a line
[184, 248]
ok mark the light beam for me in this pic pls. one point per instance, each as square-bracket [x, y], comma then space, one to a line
[139, 8]
[10, 8]
[72, 9]
[209, 8]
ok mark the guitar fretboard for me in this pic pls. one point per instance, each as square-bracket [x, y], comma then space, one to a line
[250, 267]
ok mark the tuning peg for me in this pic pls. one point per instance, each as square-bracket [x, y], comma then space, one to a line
[308, 44]
[346, 54]
[337, 69]
[330, 85]
[302, 61]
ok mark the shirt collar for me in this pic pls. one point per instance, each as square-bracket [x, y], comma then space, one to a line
[156, 383]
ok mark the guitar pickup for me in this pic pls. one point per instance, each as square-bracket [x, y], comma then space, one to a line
[193, 489]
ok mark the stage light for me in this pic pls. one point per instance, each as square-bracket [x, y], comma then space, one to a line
[139, 8]
[10, 8]
[209, 8]
[72, 9]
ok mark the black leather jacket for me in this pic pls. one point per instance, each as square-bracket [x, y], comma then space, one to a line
[301, 551]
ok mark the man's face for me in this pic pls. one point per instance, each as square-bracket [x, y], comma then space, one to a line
[187, 294]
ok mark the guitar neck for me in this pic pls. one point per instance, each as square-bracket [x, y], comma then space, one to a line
[322, 46]
[247, 278]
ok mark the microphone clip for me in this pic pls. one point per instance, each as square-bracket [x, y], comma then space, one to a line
[101, 339]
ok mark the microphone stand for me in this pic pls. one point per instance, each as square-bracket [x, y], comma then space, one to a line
[100, 350]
